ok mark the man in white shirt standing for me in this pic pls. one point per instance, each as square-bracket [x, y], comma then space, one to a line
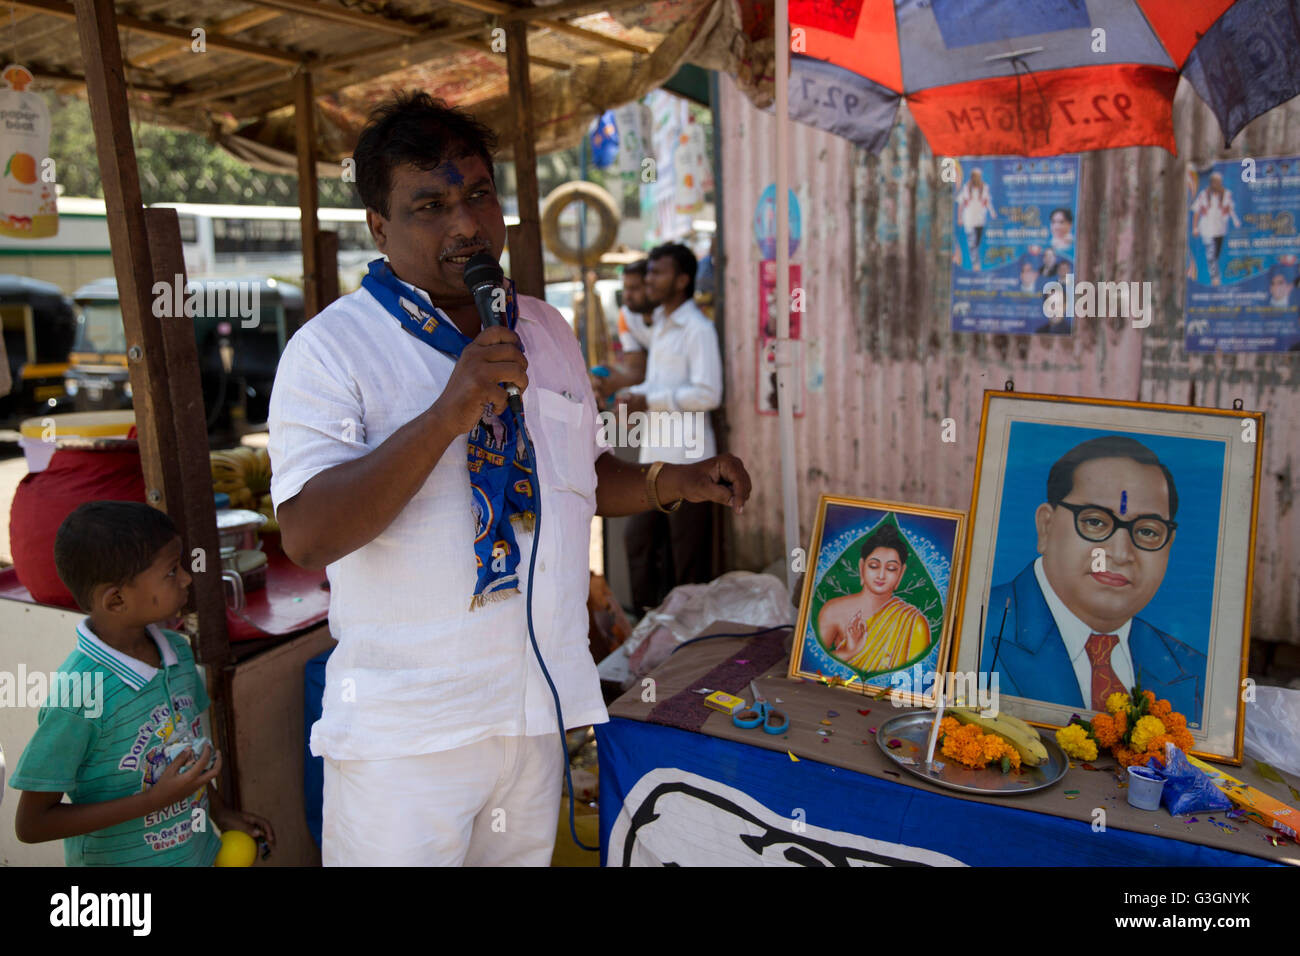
[633, 334]
[396, 468]
[683, 384]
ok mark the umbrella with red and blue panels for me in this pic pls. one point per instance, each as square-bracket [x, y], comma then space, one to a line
[1037, 77]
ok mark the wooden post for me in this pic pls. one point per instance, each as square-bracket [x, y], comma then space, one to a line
[146, 356]
[195, 512]
[526, 241]
[327, 261]
[304, 123]
[165, 418]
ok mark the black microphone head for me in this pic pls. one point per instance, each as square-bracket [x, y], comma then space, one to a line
[482, 269]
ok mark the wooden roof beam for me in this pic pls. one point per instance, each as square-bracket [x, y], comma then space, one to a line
[353, 18]
[56, 8]
[582, 33]
[569, 8]
[77, 80]
[227, 27]
[482, 46]
[267, 78]
[544, 19]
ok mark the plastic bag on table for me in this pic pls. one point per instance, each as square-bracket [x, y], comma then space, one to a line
[1271, 722]
[1188, 789]
[757, 600]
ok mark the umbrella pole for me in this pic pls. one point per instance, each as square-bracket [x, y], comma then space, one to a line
[785, 380]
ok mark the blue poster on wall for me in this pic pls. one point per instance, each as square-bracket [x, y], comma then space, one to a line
[1243, 249]
[1014, 221]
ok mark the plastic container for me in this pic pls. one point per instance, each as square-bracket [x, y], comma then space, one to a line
[1144, 788]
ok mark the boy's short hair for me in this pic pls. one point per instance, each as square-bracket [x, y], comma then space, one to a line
[108, 542]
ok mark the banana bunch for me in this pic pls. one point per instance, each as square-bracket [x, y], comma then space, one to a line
[1011, 729]
[244, 474]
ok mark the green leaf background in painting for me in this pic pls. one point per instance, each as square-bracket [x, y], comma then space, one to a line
[916, 587]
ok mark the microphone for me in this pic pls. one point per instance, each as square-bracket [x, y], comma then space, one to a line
[483, 279]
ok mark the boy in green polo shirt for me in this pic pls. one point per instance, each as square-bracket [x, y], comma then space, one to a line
[140, 794]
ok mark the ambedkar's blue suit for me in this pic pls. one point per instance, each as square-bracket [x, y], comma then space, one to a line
[1033, 662]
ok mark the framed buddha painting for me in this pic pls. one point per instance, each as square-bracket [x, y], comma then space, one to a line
[875, 615]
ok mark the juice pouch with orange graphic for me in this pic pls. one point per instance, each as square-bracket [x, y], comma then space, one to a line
[28, 204]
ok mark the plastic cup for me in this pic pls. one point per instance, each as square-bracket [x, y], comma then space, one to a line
[1144, 788]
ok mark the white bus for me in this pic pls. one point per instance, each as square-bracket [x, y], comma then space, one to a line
[218, 241]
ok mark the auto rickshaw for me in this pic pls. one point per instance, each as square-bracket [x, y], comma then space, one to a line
[39, 324]
[241, 326]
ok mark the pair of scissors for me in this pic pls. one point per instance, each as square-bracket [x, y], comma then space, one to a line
[761, 714]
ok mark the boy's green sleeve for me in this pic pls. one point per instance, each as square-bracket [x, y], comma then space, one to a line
[61, 745]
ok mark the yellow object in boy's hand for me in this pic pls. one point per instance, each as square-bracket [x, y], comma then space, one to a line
[237, 849]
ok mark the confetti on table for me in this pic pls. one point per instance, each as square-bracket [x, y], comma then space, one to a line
[916, 750]
[1072, 791]
[824, 732]
[780, 701]
[1087, 766]
[894, 743]
[826, 740]
[826, 722]
[1276, 841]
[1235, 814]
[742, 660]
[1072, 796]
[1226, 828]
[832, 713]
[872, 730]
[792, 757]
[1192, 820]
[865, 712]
[894, 773]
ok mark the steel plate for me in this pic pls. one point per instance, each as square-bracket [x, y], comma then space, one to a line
[914, 728]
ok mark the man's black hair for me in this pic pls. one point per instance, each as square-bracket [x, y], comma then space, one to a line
[683, 261]
[637, 268]
[886, 536]
[108, 542]
[1060, 480]
[415, 128]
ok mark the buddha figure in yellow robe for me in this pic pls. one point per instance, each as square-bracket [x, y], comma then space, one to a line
[873, 630]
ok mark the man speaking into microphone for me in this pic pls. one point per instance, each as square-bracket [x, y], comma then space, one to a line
[400, 469]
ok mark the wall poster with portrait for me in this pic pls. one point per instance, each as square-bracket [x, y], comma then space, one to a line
[877, 599]
[1111, 544]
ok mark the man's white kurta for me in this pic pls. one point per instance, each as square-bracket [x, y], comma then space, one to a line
[416, 671]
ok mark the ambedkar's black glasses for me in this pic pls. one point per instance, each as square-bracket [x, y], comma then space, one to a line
[1096, 523]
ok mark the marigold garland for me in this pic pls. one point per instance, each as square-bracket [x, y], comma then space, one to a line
[1134, 728]
[969, 745]
[1074, 740]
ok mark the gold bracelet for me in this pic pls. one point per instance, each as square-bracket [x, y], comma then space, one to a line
[652, 490]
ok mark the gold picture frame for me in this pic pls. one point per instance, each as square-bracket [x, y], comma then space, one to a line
[883, 652]
[1186, 614]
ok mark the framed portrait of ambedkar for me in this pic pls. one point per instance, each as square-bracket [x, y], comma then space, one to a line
[875, 615]
[1111, 545]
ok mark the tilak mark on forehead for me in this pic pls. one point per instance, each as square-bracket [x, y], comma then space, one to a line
[1123, 502]
[453, 174]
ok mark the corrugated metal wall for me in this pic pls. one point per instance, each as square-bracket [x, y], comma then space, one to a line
[884, 371]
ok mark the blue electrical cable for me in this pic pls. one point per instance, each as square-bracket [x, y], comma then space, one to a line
[532, 636]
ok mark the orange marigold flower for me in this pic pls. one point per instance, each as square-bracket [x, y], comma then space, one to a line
[1151, 698]
[1162, 709]
[1175, 721]
[1103, 728]
[1183, 739]
[1121, 722]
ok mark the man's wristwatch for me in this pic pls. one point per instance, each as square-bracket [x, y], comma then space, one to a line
[652, 490]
